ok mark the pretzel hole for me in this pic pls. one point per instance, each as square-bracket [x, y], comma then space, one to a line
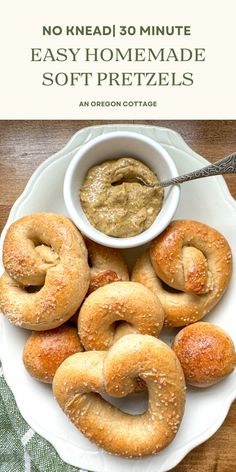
[33, 288]
[121, 323]
[169, 289]
[38, 242]
[121, 328]
[47, 253]
[133, 404]
[90, 261]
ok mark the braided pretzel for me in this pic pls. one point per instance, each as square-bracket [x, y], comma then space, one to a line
[127, 302]
[190, 257]
[47, 251]
[83, 376]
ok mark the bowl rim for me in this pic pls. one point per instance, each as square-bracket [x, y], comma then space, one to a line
[84, 226]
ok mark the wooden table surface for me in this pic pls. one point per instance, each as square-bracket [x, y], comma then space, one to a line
[25, 144]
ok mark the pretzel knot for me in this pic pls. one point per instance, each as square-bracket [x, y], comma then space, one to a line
[133, 306]
[191, 258]
[47, 273]
[82, 378]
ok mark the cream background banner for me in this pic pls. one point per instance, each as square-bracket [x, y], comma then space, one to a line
[212, 95]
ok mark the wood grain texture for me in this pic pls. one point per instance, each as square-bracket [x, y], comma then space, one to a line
[25, 144]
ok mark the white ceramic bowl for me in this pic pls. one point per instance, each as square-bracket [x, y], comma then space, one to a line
[112, 146]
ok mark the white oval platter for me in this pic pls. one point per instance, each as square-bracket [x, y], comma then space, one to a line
[207, 200]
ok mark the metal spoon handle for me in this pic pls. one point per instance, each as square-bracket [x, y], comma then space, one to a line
[224, 166]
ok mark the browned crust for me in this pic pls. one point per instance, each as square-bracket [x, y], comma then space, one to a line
[126, 302]
[64, 278]
[82, 377]
[206, 353]
[192, 258]
[107, 265]
[104, 278]
[103, 259]
[44, 351]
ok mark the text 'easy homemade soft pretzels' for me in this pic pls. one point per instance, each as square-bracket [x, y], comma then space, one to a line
[191, 258]
[131, 304]
[46, 251]
[82, 377]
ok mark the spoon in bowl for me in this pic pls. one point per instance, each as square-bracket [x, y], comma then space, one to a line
[224, 166]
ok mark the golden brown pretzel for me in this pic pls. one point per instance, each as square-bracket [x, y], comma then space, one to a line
[206, 353]
[47, 251]
[106, 266]
[44, 351]
[191, 258]
[127, 302]
[81, 377]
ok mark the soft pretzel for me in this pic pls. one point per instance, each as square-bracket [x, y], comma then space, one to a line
[206, 353]
[127, 302]
[44, 351]
[82, 377]
[106, 266]
[191, 258]
[47, 251]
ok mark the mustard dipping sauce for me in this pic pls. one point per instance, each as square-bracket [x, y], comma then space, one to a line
[118, 204]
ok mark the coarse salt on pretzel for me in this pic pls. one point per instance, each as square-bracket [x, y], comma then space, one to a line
[131, 304]
[47, 251]
[193, 259]
[81, 379]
